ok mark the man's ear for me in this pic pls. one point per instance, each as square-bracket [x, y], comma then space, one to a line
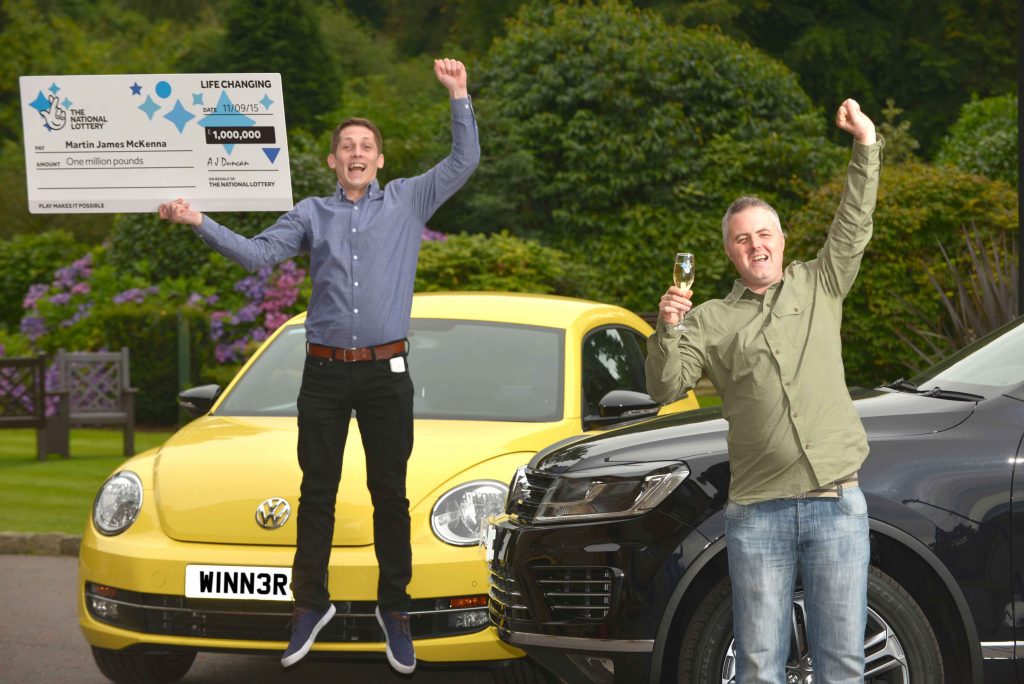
[380, 161]
[332, 162]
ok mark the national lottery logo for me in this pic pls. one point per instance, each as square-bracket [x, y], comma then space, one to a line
[57, 112]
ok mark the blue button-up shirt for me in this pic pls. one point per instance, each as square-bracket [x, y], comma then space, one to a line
[362, 254]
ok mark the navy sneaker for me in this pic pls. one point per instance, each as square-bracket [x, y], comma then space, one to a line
[401, 654]
[306, 624]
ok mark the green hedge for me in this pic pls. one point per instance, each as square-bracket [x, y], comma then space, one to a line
[502, 262]
[151, 334]
[919, 208]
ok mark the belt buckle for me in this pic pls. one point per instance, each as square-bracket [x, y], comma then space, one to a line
[349, 355]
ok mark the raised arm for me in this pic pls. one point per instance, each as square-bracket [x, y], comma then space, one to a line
[852, 226]
[431, 189]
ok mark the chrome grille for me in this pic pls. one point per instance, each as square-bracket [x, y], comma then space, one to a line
[578, 594]
[505, 600]
[527, 492]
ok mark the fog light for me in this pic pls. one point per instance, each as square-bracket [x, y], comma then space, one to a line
[103, 608]
[468, 619]
[468, 602]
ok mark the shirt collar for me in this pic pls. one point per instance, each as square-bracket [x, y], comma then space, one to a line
[371, 192]
[739, 290]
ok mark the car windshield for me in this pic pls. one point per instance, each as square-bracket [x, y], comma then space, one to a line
[461, 370]
[991, 366]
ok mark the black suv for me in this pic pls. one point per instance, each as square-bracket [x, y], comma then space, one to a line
[610, 563]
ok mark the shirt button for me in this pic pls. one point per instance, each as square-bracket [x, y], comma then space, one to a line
[355, 337]
[357, 311]
[357, 284]
[356, 257]
[353, 230]
[807, 446]
[357, 208]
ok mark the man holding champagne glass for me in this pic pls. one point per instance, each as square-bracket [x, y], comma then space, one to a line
[772, 350]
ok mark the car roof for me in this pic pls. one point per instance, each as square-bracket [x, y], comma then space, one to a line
[511, 307]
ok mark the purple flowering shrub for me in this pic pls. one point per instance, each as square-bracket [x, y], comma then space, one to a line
[269, 299]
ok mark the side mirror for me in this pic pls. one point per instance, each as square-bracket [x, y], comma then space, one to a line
[197, 401]
[618, 406]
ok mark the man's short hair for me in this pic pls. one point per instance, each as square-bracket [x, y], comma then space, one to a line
[356, 121]
[741, 204]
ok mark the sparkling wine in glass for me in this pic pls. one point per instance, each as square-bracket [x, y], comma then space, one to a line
[682, 275]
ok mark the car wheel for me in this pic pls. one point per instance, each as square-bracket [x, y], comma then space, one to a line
[523, 671]
[143, 668]
[899, 644]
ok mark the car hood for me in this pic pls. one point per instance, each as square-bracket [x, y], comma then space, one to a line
[681, 436]
[211, 475]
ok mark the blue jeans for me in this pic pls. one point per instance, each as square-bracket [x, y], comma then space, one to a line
[825, 540]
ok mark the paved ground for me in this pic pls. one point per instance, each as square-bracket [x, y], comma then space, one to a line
[41, 642]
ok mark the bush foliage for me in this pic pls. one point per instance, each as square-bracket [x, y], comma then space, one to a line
[26, 259]
[611, 133]
[501, 262]
[919, 208]
[984, 139]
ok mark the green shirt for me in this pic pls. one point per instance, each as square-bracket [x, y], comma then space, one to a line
[775, 359]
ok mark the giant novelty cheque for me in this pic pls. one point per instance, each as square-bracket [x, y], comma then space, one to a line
[126, 143]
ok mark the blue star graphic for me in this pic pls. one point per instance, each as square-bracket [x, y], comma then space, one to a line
[197, 98]
[41, 103]
[54, 89]
[266, 101]
[67, 102]
[149, 107]
[136, 88]
[179, 116]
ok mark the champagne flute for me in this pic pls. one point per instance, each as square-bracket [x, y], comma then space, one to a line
[682, 276]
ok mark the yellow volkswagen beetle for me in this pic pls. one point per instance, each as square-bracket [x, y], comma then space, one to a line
[190, 545]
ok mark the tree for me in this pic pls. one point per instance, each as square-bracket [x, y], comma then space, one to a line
[931, 55]
[621, 140]
[984, 139]
[284, 36]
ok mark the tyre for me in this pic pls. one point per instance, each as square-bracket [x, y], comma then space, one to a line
[899, 644]
[143, 668]
[523, 671]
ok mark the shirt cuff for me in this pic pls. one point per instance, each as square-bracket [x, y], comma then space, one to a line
[869, 153]
[462, 108]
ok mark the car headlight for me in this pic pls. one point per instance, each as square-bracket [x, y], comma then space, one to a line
[459, 513]
[616, 492]
[118, 503]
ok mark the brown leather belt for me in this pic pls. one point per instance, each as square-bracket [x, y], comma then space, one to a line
[381, 352]
[831, 490]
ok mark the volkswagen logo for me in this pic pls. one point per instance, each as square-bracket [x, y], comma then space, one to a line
[273, 513]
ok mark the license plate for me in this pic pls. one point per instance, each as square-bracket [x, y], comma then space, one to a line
[238, 582]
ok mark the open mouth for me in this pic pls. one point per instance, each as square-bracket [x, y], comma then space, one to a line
[357, 167]
[760, 257]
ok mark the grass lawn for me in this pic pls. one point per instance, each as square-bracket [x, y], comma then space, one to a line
[56, 495]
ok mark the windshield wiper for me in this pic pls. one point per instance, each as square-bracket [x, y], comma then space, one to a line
[940, 393]
[902, 385]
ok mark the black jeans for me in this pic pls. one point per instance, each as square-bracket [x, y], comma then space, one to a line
[382, 400]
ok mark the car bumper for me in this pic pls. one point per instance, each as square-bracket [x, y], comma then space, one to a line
[131, 595]
[592, 611]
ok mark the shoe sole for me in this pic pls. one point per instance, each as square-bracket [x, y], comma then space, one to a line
[288, 661]
[404, 669]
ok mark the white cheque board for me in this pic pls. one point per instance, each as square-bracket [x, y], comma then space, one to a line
[126, 143]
